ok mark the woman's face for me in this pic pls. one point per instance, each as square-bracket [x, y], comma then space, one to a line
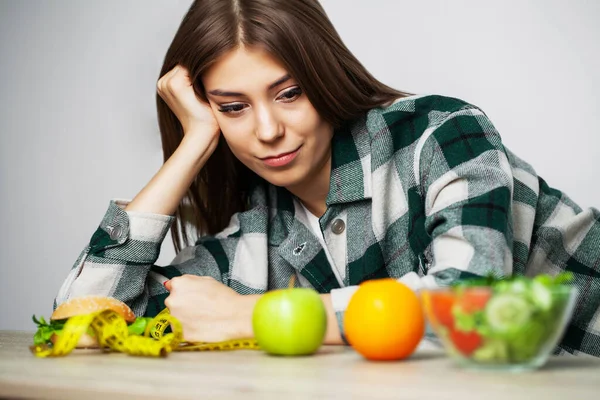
[267, 120]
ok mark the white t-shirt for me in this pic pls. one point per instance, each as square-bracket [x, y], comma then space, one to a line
[316, 228]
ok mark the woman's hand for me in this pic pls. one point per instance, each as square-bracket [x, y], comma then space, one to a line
[164, 192]
[176, 89]
[208, 310]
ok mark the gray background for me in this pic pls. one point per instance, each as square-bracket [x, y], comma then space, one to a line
[78, 121]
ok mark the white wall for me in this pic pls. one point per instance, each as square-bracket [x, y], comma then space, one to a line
[78, 121]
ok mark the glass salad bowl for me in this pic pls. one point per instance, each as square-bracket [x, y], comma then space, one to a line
[506, 324]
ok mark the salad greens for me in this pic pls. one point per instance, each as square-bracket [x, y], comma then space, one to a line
[503, 320]
[492, 279]
[47, 329]
[138, 326]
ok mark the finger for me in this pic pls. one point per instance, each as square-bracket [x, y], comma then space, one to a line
[178, 82]
[168, 301]
[167, 285]
[164, 80]
[171, 72]
[184, 73]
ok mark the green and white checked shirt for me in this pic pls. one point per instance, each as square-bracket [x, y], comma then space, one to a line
[422, 190]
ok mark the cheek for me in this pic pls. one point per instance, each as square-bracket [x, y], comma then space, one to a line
[304, 122]
[232, 128]
[236, 136]
[315, 129]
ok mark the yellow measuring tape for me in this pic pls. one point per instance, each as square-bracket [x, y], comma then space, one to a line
[110, 329]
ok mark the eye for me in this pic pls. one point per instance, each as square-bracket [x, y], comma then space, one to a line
[291, 94]
[232, 109]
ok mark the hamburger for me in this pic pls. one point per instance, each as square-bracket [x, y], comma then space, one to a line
[48, 332]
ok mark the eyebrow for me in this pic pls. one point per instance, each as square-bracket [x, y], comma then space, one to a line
[219, 92]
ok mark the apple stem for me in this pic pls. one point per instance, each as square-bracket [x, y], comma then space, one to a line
[292, 282]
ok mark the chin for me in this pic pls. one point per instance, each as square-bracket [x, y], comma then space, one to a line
[283, 179]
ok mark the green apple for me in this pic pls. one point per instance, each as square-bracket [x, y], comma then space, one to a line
[290, 322]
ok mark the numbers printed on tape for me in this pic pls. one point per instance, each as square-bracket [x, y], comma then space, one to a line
[111, 331]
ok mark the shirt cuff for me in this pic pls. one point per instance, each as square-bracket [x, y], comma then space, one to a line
[130, 236]
[339, 301]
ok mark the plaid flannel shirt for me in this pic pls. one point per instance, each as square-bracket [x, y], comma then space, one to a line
[425, 192]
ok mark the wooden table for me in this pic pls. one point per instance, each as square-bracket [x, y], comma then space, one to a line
[334, 372]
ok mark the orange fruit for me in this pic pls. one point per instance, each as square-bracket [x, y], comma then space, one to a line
[384, 320]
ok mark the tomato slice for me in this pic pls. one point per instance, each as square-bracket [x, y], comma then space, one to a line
[465, 342]
[441, 305]
[474, 299]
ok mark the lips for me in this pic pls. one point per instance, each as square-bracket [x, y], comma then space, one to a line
[279, 155]
[282, 159]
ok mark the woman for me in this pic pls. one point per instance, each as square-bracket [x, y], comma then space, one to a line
[286, 157]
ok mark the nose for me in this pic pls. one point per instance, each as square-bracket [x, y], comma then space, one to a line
[268, 127]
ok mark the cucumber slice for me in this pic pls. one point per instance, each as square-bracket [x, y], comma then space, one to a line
[541, 295]
[493, 351]
[507, 312]
[519, 286]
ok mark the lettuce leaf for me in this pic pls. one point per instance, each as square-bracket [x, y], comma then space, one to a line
[45, 330]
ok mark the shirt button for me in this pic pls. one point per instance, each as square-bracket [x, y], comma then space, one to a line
[115, 232]
[338, 226]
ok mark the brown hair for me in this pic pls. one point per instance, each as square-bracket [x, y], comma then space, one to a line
[301, 36]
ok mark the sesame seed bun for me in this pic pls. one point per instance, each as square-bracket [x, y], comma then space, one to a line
[90, 304]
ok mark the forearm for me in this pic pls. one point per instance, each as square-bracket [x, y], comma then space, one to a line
[165, 190]
[244, 329]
